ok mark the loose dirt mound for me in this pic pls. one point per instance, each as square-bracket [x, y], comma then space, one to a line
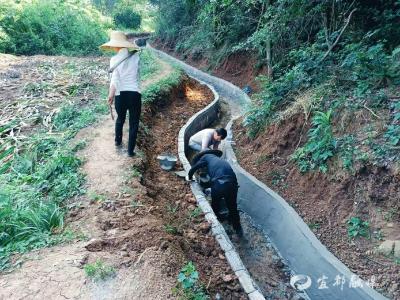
[326, 202]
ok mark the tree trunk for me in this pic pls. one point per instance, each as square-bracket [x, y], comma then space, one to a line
[269, 63]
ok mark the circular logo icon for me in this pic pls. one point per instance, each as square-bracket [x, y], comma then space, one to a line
[300, 282]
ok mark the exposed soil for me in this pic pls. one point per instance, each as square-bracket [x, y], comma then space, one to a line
[239, 68]
[327, 201]
[127, 218]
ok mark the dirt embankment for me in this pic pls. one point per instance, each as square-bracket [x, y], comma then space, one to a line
[327, 201]
[239, 68]
[135, 217]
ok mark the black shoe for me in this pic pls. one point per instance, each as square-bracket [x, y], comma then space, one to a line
[118, 144]
[131, 154]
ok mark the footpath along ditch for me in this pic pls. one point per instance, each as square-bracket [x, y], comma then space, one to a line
[135, 219]
[311, 265]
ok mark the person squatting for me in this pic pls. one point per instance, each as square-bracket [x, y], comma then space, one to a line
[222, 178]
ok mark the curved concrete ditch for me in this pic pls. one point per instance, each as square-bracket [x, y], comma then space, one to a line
[316, 271]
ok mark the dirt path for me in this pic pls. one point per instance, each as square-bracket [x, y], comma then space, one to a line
[56, 273]
[123, 217]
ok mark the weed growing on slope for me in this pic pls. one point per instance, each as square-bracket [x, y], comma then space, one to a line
[99, 271]
[357, 227]
[320, 145]
[188, 287]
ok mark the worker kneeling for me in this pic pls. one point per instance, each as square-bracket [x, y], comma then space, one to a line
[223, 184]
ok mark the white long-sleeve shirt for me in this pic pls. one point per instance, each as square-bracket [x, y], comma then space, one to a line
[205, 138]
[125, 76]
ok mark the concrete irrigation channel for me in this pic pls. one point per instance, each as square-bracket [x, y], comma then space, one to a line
[313, 269]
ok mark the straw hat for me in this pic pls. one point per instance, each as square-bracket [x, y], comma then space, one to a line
[118, 40]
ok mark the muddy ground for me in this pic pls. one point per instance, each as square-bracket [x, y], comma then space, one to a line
[327, 201]
[135, 217]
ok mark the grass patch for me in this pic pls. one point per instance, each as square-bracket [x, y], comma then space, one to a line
[148, 67]
[40, 179]
[171, 229]
[162, 87]
[99, 271]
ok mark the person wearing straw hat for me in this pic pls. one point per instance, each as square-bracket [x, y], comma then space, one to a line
[124, 86]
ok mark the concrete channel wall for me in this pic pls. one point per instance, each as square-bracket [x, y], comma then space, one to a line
[323, 275]
[196, 123]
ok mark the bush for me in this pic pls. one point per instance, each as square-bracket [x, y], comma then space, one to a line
[126, 17]
[50, 27]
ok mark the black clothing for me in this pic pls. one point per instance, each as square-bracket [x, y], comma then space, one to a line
[227, 191]
[128, 100]
[223, 186]
[217, 168]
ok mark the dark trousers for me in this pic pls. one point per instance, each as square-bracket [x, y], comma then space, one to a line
[227, 191]
[131, 101]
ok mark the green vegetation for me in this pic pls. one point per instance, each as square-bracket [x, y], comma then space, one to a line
[357, 227]
[99, 271]
[51, 27]
[171, 229]
[126, 17]
[147, 66]
[39, 181]
[320, 145]
[128, 14]
[328, 59]
[314, 225]
[188, 287]
[157, 89]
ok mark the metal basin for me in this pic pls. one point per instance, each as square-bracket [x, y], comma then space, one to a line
[167, 161]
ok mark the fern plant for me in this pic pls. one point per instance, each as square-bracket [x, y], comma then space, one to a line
[320, 145]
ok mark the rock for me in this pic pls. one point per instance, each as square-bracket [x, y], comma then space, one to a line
[221, 257]
[397, 249]
[191, 234]
[124, 254]
[205, 227]
[390, 225]
[228, 278]
[95, 245]
[164, 245]
[386, 247]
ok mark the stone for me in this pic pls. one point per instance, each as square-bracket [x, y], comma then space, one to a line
[396, 251]
[205, 227]
[390, 225]
[386, 247]
[228, 278]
